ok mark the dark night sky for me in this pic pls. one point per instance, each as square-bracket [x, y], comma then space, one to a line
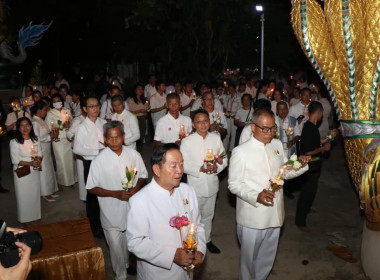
[91, 33]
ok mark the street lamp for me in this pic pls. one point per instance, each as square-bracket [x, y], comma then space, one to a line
[260, 9]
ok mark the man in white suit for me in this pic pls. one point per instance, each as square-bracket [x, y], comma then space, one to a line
[259, 212]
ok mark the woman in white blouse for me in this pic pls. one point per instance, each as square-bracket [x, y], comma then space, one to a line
[42, 131]
[27, 188]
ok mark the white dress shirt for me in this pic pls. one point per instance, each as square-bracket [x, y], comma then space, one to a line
[198, 104]
[194, 149]
[157, 101]
[88, 137]
[185, 100]
[152, 239]
[232, 103]
[106, 110]
[131, 127]
[74, 126]
[168, 128]
[252, 91]
[107, 171]
[149, 91]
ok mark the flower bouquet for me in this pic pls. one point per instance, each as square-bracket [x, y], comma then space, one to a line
[127, 181]
[148, 107]
[217, 119]
[329, 138]
[59, 125]
[190, 243]
[293, 163]
[15, 107]
[219, 158]
[289, 133]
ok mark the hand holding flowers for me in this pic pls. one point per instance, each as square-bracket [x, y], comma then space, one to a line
[127, 181]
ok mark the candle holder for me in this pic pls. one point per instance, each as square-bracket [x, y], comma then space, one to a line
[34, 155]
[208, 161]
[56, 131]
[182, 133]
[289, 133]
[190, 243]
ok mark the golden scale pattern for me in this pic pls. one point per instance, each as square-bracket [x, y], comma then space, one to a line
[327, 43]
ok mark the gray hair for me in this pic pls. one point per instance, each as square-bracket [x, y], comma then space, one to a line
[113, 124]
[262, 112]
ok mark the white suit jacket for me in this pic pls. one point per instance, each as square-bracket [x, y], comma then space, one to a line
[194, 149]
[252, 164]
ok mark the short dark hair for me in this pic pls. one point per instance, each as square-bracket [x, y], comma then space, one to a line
[89, 97]
[159, 153]
[262, 104]
[172, 96]
[64, 86]
[279, 103]
[261, 112]
[39, 105]
[246, 95]
[304, 90]
[314, 106]
[19, 138]
[199, 111]
[159, 82]
[60, 98]
[36, 92]
[113, 87]
[207, 92]
[13, 99]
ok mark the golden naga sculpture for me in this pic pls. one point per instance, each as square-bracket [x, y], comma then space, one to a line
[342, 42]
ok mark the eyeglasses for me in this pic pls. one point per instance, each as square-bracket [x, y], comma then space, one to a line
[202, 121]
[92, 106]
[267, 129]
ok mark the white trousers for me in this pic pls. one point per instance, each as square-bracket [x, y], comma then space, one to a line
[258, 251]
[81, 185]
[117, 243]
[206, 207]
[229, 140]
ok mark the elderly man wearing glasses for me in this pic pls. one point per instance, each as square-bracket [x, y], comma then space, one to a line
[259, 211]
[88, 143]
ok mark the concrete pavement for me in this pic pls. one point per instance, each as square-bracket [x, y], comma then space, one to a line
[300, 255]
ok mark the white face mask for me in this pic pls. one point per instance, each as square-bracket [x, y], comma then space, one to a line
[57, 105]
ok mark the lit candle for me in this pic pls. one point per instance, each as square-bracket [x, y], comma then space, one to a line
[210, 151]
[66, 117]
[113, 83]
[194, 96]
[52, 124]
[280, 175]
[1, 130]
[190, 241]
[32, 151]
[217, 115]
[12, 104]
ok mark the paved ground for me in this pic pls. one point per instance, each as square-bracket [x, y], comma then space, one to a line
[300, 255]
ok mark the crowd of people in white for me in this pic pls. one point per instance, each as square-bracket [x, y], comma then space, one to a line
[60, 137]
